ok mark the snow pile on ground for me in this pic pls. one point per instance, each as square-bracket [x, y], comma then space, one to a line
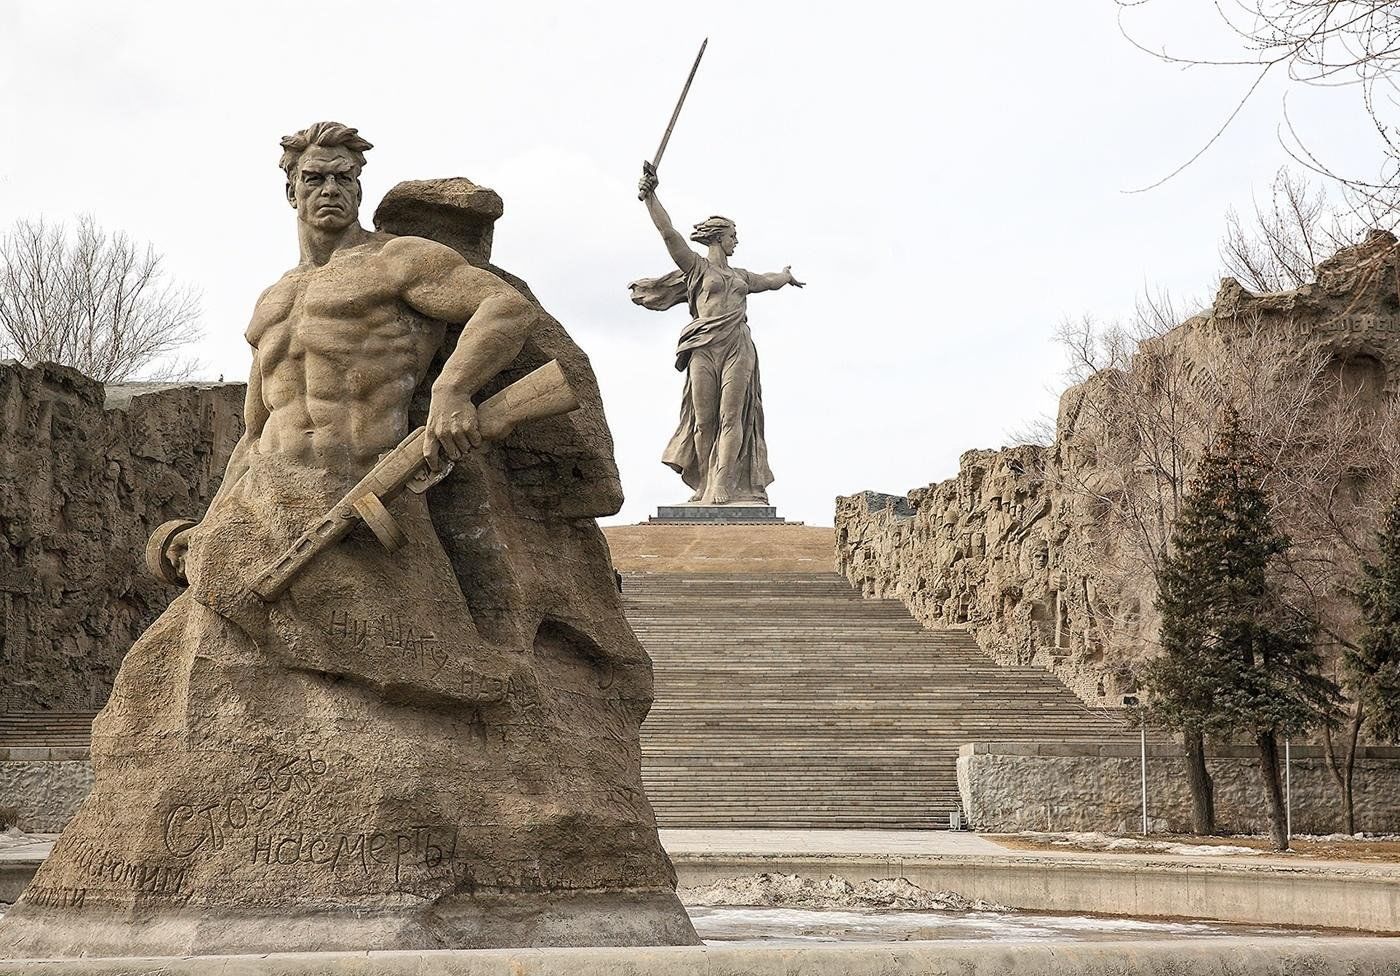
[1209, 850]
[14, 837]
[1096, 841]
[793, 891]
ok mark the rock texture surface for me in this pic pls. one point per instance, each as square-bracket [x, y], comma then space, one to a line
[1006, 550]
[427, 747]
[46, 791]
[1013, 786]
[85, 475]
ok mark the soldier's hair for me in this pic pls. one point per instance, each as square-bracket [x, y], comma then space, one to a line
[328, 134]
[708, 231]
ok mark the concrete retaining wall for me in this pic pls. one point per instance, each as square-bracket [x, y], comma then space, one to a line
[47, 785]
[1205, 957]
[1013, 786]
[1362, 898]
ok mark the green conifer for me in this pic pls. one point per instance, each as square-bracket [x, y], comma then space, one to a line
[1237, 661]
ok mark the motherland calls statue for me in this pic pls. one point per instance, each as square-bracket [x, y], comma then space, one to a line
[718, 448]
[379, 718]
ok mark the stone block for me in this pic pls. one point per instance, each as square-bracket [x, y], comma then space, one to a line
[717, 513]
[29, 754]
[1007, 792]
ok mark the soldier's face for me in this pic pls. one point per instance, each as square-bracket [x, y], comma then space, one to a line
[325, 189]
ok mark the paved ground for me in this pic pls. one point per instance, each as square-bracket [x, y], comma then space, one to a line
[688, 844]
[946, 843]
[879, 843]
[875, 843]
[982, 957]
[872, 843]
[1260, 890]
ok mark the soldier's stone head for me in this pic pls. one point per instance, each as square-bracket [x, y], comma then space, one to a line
[323, 163]
[717, 230]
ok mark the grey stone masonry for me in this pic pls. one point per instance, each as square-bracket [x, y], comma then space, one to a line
[1013, 786]
[44, 784]
[690, 514]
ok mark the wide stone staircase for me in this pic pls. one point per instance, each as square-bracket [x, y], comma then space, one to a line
[786, 700]
[29, 730]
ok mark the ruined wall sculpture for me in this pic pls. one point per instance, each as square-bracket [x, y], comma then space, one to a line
[1013, 547]
[85, 475]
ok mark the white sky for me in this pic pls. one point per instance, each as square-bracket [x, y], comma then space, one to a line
[947, 178]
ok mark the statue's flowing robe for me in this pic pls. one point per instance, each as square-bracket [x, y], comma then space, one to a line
[721, 344]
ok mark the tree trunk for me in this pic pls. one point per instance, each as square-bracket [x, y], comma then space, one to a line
[1343, 770]
[1202, 790]
[1268, 766]
[1348, 797]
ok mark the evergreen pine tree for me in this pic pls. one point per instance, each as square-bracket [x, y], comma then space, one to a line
[1374, 664]
[1236, 660]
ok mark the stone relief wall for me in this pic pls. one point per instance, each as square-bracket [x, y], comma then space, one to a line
[85, 475]
[1010, 787]
[1007, 551]
[46, 786]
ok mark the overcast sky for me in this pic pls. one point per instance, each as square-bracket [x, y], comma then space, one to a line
[947, 178]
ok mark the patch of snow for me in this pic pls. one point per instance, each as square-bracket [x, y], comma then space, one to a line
[792, 891]
[1097, 841]
[14, 837]
[1210, 850]
[796, 926]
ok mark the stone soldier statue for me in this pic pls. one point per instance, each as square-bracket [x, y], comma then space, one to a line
[718, 448]
[427, 743]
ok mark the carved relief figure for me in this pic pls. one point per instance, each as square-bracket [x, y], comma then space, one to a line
[718, 448]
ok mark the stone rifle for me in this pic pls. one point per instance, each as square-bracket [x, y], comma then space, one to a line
[542, 393]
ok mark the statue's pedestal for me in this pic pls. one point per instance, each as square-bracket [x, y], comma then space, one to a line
[693, 513]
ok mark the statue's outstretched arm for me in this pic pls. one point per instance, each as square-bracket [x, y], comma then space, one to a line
[772, 281]
[680, 251]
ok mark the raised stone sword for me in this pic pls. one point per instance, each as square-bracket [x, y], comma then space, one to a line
[666, 137]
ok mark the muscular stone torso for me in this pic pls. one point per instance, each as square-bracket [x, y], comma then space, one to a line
[340, 355]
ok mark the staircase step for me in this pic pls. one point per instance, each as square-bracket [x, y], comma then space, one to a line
[786, 700]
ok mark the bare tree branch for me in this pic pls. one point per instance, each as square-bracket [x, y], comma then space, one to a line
[1318, 43]
[90, 300]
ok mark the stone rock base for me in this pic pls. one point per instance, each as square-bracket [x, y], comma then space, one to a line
[458, 922]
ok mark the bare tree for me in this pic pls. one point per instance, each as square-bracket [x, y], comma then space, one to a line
[1330, 495]
[1281, 245]
[1149, 399]
[91, 300]
[1133, 423]
[1323, 43]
